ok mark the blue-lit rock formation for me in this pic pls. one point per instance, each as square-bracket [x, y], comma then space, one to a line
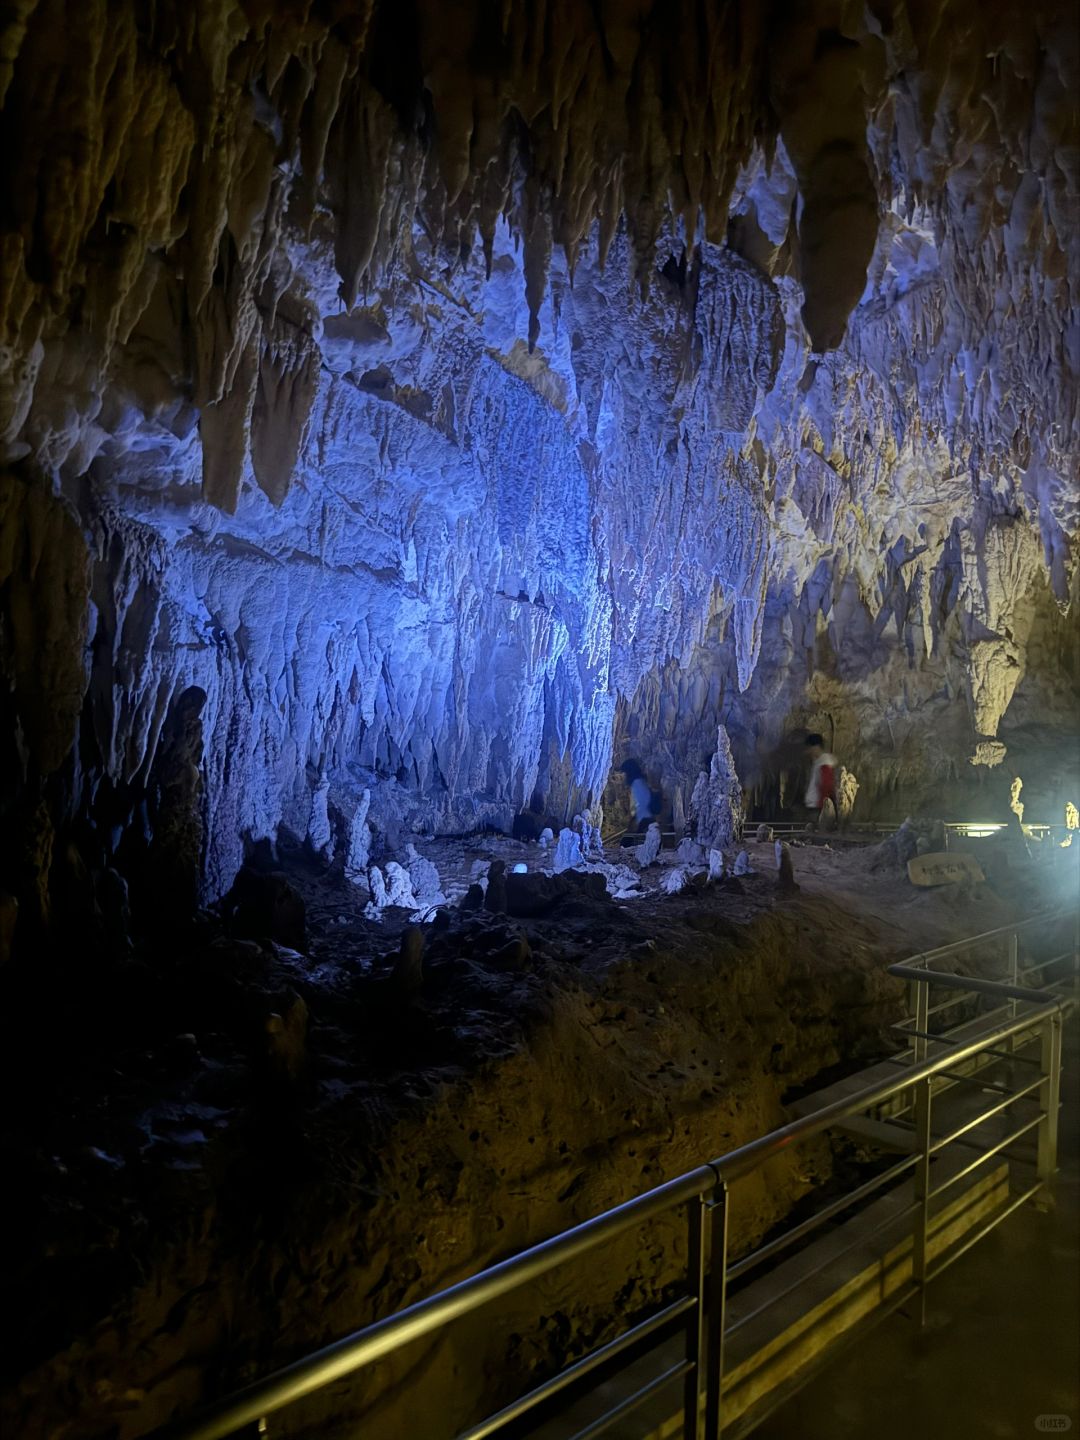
[374, 403]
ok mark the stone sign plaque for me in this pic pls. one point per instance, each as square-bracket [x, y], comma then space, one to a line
[942, 868]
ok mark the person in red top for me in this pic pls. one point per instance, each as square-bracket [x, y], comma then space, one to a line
[821, 789]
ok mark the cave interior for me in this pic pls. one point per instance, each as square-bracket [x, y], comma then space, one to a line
[418, 421]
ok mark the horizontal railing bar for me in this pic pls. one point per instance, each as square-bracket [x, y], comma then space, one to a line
[972, 983]
[988, 1154]
[947, 1004]
[1042, 964]
[352, 1353]
[941, 1039]
[985, 1230]
[985, 1115]
[909, 1020]
[859, 1240]
[957, 946]
[573, 1373]
[1014, 1055]
[907, 1028]
[978, 1080]
[1005, 1009]
[843, 1203]
[905, 1058]
[965, 1144]
[748, 1157]
[631, 1403]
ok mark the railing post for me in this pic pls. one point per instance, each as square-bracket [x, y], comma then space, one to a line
[922, 1018]
[717, 1308]
[919, 1255]
[707, 1279]
[1014, 969]
[697, 1261]
[1014, 979]
[1050, 1096]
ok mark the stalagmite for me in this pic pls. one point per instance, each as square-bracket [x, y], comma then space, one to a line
[568, 853]
[716, 804]
[424, 879]
[674, 880]
[649, 848]
[847, 787]
[785, 870]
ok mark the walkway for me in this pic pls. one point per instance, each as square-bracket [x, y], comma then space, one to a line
[1002, 1343]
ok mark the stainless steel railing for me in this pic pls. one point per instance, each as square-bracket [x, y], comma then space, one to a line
[919, 971]
[700, 1311]
[923, 978]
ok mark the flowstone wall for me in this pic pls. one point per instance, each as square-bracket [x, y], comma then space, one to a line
[371, 441]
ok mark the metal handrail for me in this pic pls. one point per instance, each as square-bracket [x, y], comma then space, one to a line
[320, 1369]
[972, 983]
[916, 969]
[957, 947]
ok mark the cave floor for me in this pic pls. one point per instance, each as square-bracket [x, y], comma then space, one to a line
[230, 1149]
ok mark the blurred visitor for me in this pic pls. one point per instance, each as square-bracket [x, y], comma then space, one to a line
[821, 787]
[644, 802]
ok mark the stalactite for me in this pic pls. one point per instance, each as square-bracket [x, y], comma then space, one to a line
[238, 265]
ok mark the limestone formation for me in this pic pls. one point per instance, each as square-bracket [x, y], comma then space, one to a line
[847, 788]
[424, 879]
[716, 804]
[264, 905]
[392, 889]
[495, 896]
[568, 852]
[391, 416]
[785, 870]
[649, 848]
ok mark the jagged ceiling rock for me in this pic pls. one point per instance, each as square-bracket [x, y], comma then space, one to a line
[423, 379]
